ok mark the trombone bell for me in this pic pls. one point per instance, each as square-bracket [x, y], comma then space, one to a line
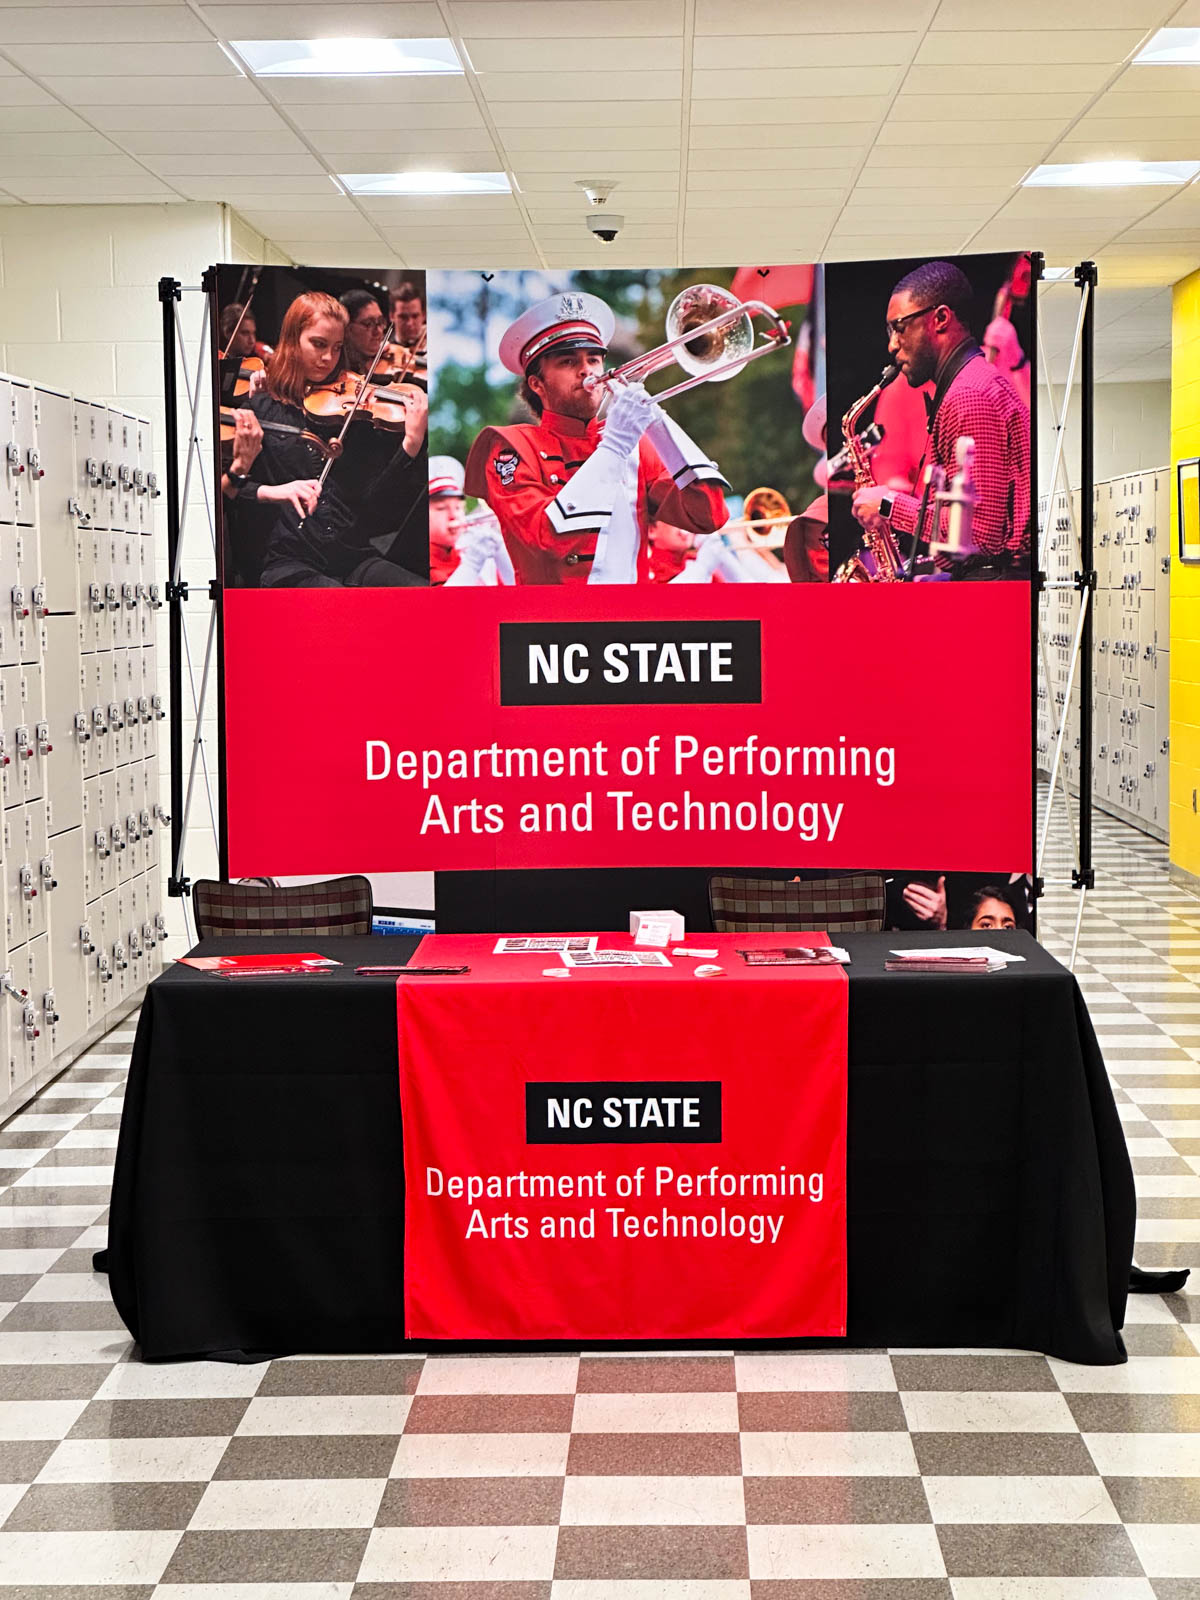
[723, 347]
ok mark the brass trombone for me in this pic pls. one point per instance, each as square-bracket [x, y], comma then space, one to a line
[710, 334]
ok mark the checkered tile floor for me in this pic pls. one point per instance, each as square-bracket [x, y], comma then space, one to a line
[898, 1475]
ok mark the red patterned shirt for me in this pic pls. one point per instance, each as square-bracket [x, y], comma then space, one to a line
[982, 405]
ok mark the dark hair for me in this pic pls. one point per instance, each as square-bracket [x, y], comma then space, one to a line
[939, 283]
[533, 401]
[357, 300]
[406, 291]
[990, 891]
[230, 317]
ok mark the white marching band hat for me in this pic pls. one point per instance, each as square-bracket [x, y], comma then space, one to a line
[813, 427]
[446, 477]
[568, 321]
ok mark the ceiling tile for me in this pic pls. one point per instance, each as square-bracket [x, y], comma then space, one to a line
[150, 91]
[554, 116]
[1014, 48]
[1036, 76]
[1124, 100]
[124, 60]
[20, 146]
[108, 24]
[1171, 80]
[586, 164]
[175, 120]
[567, 53]
[1013, 108]
[772, 114]
[801, 16]
[21, 91]
[1036, 15]
[950, 135]
[263, 168]
[199, 144]
[506, 87]
[771, 167]
[735, 139]
[539, 19]
[814, 53]
[764, 83]
[37, 119]
[598, 145]
[345, 18]
[1086, 148]
[398, 116]
[356, 100]
[916, 156]
[347, 225]
[378, 150]
[328, 253]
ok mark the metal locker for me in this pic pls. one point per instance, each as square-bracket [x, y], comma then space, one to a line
[106, 492]
[111, 828]
[132, 921]
[1100, 746]
[118, 953]
[67, 727]
[158, 842]
[37, 850]
[99, 872]
[54, 423]
[125, 460]
[20, 879]
[18, 1024]
[68, 959]
[104, 687]
[31, 749]
[20, 451]
[129, 806]
[1147, 651]
[87, 463]
[118, 669]
[1162, 688]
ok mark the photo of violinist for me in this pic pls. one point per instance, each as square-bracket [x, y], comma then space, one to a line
[323, 418]
[622, 427]
[928, 404]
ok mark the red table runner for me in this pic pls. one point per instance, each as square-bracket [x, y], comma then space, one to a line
[624, 1153]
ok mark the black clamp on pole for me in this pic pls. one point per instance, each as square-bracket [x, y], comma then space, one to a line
[1083, 879]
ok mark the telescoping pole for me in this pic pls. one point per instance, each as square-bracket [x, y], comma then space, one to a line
[170, 291]
[1086, 277]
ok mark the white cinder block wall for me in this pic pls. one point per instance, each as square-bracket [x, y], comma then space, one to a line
[79, 310]
[1132, 432]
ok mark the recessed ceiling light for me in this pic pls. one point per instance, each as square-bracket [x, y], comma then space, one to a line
[346, 58]
[1110, 174]
[426, 182]
[1054, 274]
[1171, 47]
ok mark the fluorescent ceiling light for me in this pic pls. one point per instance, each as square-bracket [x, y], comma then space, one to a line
[1110, 174]
[1172, 47]
[346, 58]
[426, 182]
[1054, 274]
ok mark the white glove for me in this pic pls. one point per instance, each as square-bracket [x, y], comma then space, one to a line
[630, 414]
[476, 547]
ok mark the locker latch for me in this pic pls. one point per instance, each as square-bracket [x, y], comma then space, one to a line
[117, 837]
[139, 480]
[156, 706]
[98, 722]
[131, 713]
[141, 592]
[24, 747]
[160, 926]
[91, 468]
[74, 509]
[1166, 564]
[7, 986]
[96, 597]
[131, 828]
[49, 1009]
[111, 598]
[46, 868]
[146, 823]
[120, 959]
[44, 746]
[28, 892]
[29, 1021]
[124, 476]
[101, 840]
[148, 939]
[5, 758]
[85, 939]
[102, 968]
[38, 596]
[135, 943]
[129, 596]
[155, 596]
[107, 477]
[20, 609]
[161, 815]
[83, 732]
[152, 485]
[144, 709]
[12, 454]
[35, 463]
[114, 716]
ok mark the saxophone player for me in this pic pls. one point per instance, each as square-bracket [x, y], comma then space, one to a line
[929, 340]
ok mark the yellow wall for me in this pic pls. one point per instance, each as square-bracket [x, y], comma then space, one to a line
[1185, 585]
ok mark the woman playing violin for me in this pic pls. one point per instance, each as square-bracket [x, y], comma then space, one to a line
[324, 537]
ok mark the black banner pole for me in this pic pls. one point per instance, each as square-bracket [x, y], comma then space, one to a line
[1085, 580]
[170, 291]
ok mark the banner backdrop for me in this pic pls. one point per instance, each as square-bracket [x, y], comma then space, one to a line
[470, 623]
[622, 1184]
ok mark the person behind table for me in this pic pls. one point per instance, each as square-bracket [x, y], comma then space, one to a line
[929, 339]
[570, 507]
[990, 908]
[365, 328]
[321, 537]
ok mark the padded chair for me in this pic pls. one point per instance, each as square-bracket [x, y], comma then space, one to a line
[252, 910]
[852, 903]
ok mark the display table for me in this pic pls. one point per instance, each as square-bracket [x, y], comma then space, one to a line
[258, 1199]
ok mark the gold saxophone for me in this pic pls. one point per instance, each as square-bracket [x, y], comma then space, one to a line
[879, 548]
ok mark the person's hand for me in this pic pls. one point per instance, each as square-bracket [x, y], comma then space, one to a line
[865, 504]
[301, 494]
[416, 415]
[926, 904]
[247, 441]
[258, 380]
[630, 414]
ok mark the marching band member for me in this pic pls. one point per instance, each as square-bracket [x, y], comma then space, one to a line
[462, 550]
[575, 497]
[929, 338]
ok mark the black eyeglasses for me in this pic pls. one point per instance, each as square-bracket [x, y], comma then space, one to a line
[895, 325]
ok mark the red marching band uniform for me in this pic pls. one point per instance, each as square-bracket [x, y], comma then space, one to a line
[570, 512]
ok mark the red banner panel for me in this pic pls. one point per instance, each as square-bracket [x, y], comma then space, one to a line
[833, 726]
[582, 1163]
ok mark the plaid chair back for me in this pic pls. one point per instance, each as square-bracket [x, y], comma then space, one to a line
[853, 903]
[339, 905]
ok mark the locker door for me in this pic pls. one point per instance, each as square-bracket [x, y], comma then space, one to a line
[37, 853]
[111, 827]
[28, 748]
[120, 735]
[100, 873]
[105, 684]
[55, 425]
[129, 792]
[118, 953]
[68, 960]
[106, 490]
[20, 879]
[125, 448]
[1146, 652]
[1100, 746]
[158, 836]
[64, 765]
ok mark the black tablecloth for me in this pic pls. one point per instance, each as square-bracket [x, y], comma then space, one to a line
[258, 1198]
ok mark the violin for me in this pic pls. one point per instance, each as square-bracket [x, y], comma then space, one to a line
[326, 449]
[349, 396]
[397, 362]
